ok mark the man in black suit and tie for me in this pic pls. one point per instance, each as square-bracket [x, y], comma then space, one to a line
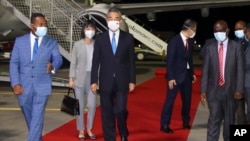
[239, 29]
[247, 74]
[222, 81]
[180, 74]
[113, 66]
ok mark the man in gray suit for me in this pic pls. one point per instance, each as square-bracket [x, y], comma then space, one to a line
[35, 55]
[222, 81]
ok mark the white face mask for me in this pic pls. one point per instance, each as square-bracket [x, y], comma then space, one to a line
[239, 33]
[192, 36]
[89, 33]
[113, 25]
[220, 36]
[41, 31]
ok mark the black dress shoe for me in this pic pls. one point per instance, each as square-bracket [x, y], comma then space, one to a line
[166, 129]
[124, 139]
[186, 126]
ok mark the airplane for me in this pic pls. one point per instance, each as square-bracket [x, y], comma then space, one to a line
[13, 25]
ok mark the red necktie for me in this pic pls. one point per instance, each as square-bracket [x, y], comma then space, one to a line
[186, 45]
[220, 55]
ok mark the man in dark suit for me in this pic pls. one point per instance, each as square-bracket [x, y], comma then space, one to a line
[35, 55]
[180, 74]
[239, 29]
[222, 81]
[114, 64]
[247, 74]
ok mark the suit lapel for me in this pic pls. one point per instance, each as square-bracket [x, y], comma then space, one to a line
[228, 56]
[42, 46]
[182, 46]
[119, 42]
[109, 42]
[214, 53]
[28, 47]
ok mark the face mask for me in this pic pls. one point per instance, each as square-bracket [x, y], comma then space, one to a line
[89, 33]
[41, 31]
[239, 33]
[113, 25]
[220, 36]
[192, 36]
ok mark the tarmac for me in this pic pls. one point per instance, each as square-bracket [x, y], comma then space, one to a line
[13, 127]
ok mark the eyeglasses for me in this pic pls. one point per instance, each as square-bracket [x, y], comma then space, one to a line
[194, 30]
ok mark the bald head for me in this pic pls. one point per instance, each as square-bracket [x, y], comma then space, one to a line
[221, 26]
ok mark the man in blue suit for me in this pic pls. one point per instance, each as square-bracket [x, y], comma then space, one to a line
[34, 57]
[180, 74]
[113, 67]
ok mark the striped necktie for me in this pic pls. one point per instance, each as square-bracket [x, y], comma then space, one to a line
[220, 56]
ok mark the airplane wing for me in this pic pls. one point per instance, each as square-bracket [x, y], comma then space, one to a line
[144, 8]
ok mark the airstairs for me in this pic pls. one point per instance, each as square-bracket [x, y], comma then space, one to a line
[65, 19]
[147, 37]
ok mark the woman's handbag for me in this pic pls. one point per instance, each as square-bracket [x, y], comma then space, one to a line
[70, 105]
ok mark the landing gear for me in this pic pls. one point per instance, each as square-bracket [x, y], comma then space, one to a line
[140, 56]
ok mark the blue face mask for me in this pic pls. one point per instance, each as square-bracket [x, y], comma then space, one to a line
[41, 31]
[239, 33]
[220, 36]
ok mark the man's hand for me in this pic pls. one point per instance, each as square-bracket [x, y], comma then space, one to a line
[238, 95]
[18, 89]
[93, 87]
[131, 87]
[194, 79]
[171, 84]
[203, 98]
[49, 67]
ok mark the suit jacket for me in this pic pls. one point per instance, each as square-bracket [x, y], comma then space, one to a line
[247, 72]
[30, 73]
[233, 74]
[178, 58]
[78, 63]
[122, 64]
[243, 42]
[203, 49]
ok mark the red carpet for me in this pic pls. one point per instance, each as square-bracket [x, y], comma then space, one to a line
[144, 105]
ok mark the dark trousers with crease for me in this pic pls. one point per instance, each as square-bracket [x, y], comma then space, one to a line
[240, 111]
[185, 89]
[113, 108]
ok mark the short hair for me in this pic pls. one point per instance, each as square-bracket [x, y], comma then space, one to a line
[87, 23]
[248, 27]
[35, 15]
[113, 9]
[189, 23]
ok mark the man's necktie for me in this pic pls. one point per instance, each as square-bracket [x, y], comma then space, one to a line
[186, 45]
[220, 55]
[35, 48]
[113, 44]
